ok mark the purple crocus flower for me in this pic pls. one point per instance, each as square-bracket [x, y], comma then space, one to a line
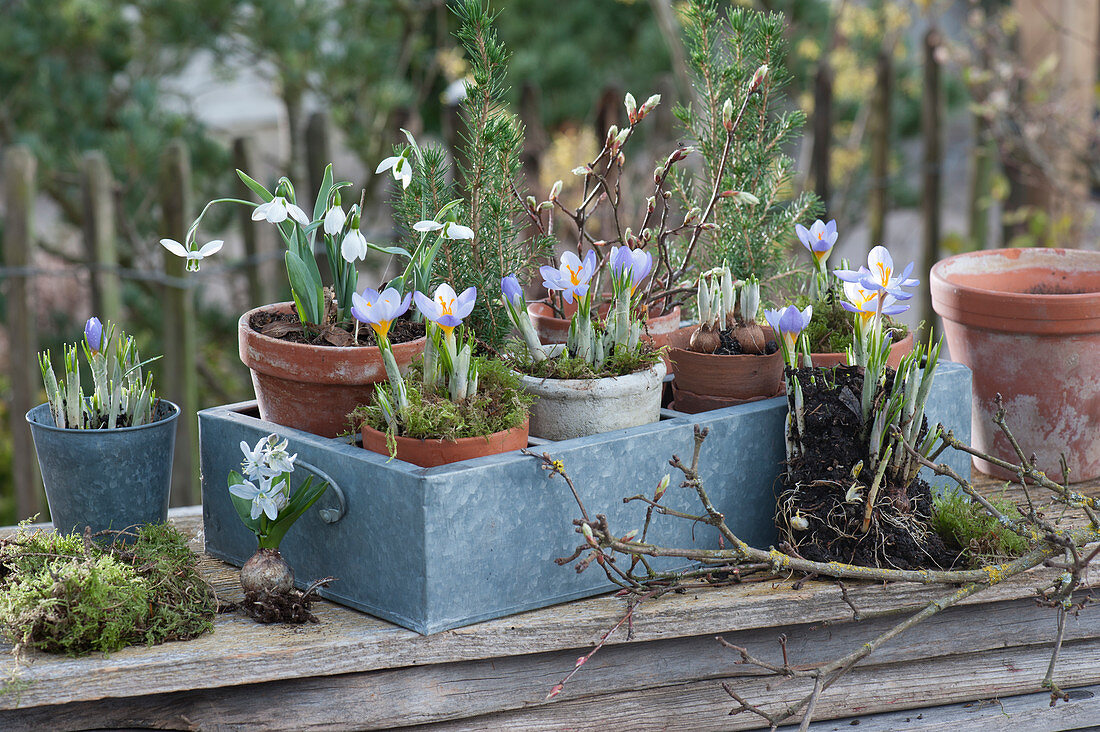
[379, 309]
[819, 239]
[513, 293]
[879, 275]
[571, 276]
[630, 266]
[445, 308]
[788, 323]
[93, 333]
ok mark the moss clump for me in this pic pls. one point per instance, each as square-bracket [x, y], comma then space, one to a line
[965, 525]
[499, 405]
[60, 594]
[567, 367]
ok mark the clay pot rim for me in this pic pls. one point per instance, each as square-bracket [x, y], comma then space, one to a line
[673, 351]
[244, 325]
[101, 434]
[938, 276]
[525, 426]
[587, 384]
[676, 310]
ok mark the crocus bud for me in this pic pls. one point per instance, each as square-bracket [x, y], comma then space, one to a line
[93, 334]
[509, 287]
[555, 190]
[663, 485]
[727, 115]
[649, 105]
[758, 78]
[631, 108]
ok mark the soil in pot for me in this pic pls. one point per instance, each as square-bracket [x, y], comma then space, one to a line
[817, 487]
[311, 386]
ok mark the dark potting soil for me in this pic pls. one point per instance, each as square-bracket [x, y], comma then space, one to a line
[817, 482]
[287, 327]
[732, 347]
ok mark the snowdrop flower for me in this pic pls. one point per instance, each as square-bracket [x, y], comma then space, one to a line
[277, 210]
[192, 256]
[354, 245]
[630, 266]
[450, 229]
[334, 220]
[401, 167]
[93, 334]
[379, 309]
[819, 239]
[571, 277]
[445, 308]
[266, 499]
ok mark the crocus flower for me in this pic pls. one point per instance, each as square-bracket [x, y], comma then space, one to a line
[788, 323]
[879, 275]
[631, 266]
[379, 309]
[266, 498]
[450, 229]
[93, 334]
[445, 308]
[513, 293]
[354, 245]
[193, 256]
[277, 210]
[819, 239]
[867, 303]
[334, 220]
[571, 276]
[401, 167]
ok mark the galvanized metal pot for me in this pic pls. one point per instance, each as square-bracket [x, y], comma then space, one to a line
[106, 479]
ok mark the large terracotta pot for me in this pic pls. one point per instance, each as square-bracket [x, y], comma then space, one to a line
[1027, 323]
[742, 378]
[897, 351]
[552, 329]
[430, 453]
[313, 388]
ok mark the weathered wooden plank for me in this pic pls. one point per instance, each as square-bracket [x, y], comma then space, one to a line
[97, 189]
[1010, 714]
[703, 705]
[424, 694]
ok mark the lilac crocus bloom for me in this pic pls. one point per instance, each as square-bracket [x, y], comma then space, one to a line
[379, 309]
[879, 275]
[631, 265]
[445, 308]
[93, 334]
[788, 323]
[571, 277]
[513, 293]
[819, 239]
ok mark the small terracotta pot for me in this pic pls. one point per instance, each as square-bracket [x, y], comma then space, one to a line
[691, 403]
[741, 377]
[552, 329]
[313, 388]
[897, 351]
[430, 453]
[1027, 323]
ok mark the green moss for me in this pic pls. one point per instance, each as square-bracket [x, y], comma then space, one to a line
[60, 596]
[965, 525]
[499, 405]
[567, 367]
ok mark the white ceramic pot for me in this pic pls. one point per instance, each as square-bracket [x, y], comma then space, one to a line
[568, 408]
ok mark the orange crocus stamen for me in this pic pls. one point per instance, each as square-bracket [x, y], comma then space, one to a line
[574, 274]
[884, 272]
[446, 307]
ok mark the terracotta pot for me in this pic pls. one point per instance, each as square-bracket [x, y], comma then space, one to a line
[1027, 323]
[313, 388]
[897, 352]
[691, 403]
[430, 453]
[741, 377]
[552, 329]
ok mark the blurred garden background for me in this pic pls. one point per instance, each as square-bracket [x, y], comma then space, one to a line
[931, 126]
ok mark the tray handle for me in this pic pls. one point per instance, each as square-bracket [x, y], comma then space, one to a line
[328, 515]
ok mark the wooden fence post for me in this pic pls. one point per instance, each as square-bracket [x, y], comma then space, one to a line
[98, 196]
[262, 274]
[880, 147]
[179, 378]
[932, 129]
[18, 251]
[822, 128]
[318, 155]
